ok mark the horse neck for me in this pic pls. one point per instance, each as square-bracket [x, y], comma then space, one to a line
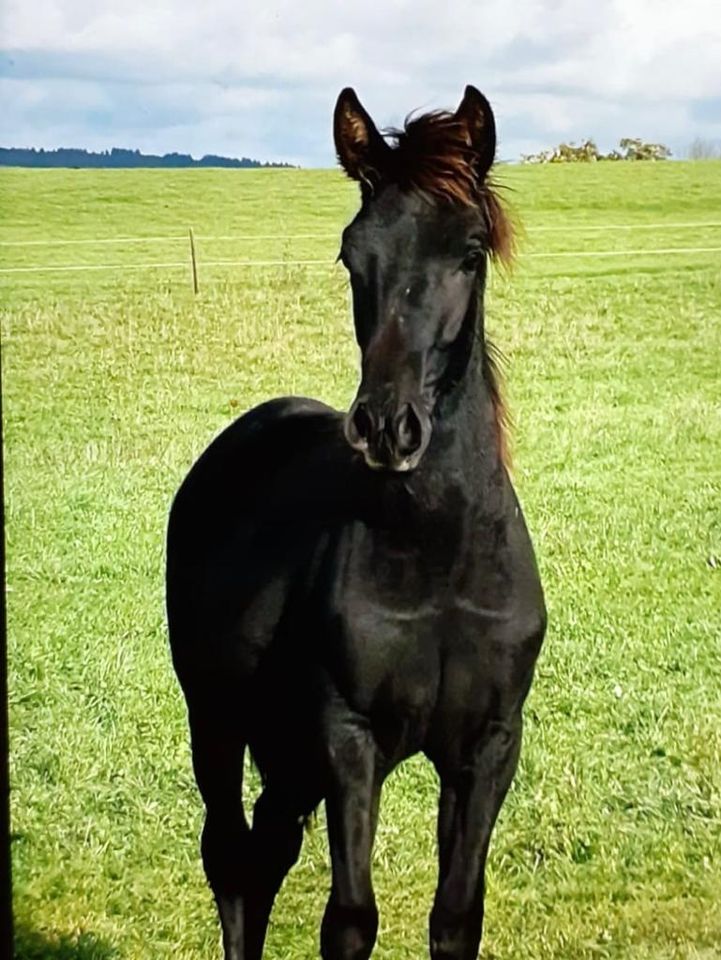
[463, 462]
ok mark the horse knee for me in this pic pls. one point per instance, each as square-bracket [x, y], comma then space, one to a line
[277, 834]
[225, 847]
[349, 933]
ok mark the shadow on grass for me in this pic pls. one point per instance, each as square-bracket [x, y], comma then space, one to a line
[30, 945]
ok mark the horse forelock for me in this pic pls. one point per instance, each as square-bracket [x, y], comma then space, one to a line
[432, 154]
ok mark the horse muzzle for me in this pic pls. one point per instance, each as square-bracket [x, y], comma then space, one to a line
[391, 436]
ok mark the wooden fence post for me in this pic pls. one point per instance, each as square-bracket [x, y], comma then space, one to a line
[193, 262]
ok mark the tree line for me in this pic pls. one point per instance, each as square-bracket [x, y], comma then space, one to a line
[118, 157]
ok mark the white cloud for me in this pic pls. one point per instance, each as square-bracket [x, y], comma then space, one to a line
[271, 71]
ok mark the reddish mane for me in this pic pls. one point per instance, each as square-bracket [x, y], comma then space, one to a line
[432, 154]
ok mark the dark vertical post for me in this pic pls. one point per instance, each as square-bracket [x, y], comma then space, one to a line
[6, 916]
[193, 263]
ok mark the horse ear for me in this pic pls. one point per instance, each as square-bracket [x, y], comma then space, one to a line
[476, 115]
[361, 149]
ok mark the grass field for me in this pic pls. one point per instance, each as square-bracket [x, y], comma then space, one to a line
[115, 378]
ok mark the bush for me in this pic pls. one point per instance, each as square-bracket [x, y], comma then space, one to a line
[587, 152]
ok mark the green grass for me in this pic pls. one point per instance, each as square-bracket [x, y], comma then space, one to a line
[609, 845]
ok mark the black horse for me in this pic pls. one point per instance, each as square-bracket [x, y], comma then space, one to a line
[347, 590]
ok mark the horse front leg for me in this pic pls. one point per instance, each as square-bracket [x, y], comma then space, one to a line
[472, 792]
[350, 922]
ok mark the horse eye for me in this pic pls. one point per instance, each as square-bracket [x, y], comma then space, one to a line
[471, 258]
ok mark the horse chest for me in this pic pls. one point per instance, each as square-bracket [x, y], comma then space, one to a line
[398, 664]
[407, 633]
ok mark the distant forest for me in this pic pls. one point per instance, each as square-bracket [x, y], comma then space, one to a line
[65, 157]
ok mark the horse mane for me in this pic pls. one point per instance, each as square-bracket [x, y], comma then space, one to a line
[493, 359]
[432, 155]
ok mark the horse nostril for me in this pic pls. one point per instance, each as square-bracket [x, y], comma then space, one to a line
[409, 431]
[361, 422]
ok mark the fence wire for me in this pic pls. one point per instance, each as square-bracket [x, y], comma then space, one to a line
[247, 237]
[177, 264]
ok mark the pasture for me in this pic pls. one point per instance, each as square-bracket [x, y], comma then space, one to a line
[116, 377]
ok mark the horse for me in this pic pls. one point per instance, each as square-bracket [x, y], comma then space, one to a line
[345, 590]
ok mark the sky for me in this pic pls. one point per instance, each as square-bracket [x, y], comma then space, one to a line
[260, 80]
